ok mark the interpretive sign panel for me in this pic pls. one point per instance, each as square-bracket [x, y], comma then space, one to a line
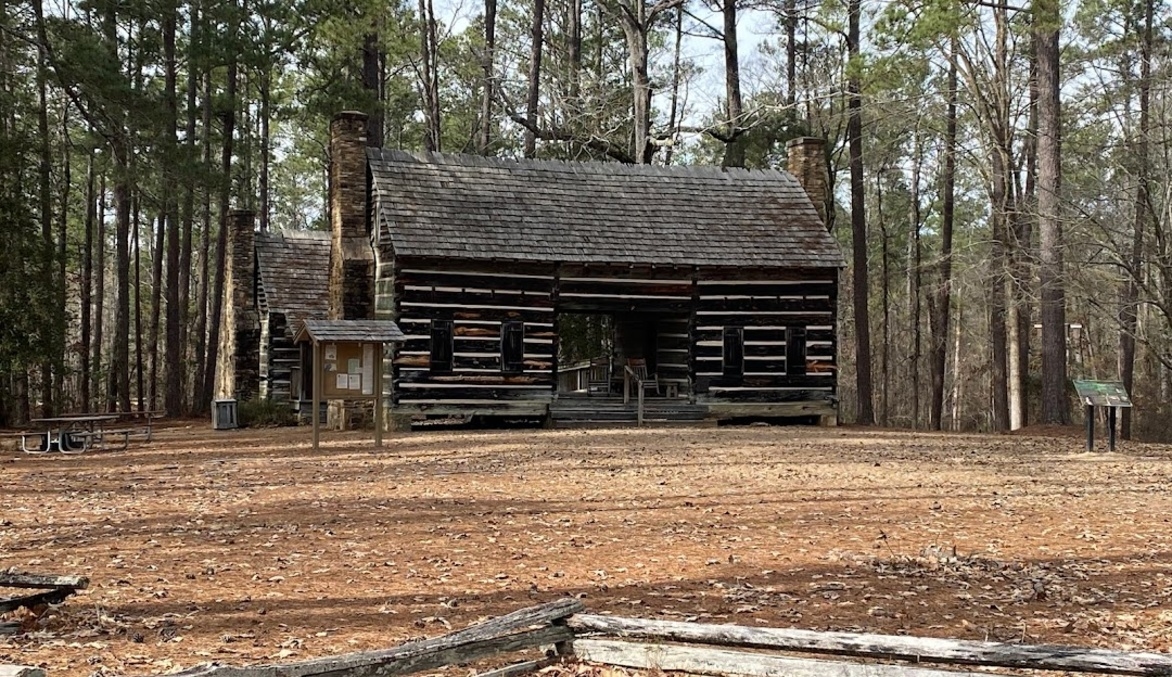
[1102, 393]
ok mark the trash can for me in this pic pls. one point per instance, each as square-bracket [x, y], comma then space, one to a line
[224, 415]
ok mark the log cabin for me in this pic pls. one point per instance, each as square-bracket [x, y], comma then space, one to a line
[718, 287]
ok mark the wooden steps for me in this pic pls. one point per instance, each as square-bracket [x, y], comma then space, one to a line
[611, 411]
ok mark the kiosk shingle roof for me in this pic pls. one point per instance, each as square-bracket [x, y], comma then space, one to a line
[463, 206]
[365, 331]
[294, 268]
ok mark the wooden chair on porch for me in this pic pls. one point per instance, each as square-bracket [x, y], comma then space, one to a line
[598, 378]
[650, 382]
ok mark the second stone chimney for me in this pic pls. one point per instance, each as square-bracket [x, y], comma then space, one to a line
[239, 354]
[807, 162]
[351, 256]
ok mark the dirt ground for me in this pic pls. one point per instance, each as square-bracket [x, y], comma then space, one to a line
[247, 546]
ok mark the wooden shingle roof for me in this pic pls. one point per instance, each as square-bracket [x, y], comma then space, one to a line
[463, 206]
[365, 331]
[294, 270]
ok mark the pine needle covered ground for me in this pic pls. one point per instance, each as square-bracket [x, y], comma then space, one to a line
[247, 546]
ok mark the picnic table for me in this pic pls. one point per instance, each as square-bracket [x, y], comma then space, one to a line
[68, 434]
[75, 433]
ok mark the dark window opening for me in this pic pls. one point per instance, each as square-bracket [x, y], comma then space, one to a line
[512, 346]
[734, 351]
[795, 351]
[441, 346]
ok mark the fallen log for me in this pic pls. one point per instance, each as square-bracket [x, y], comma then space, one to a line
[34, 600]
[888, 647]
[512, 632]
[11, 579]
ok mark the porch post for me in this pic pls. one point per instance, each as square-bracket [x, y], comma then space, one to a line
[315, 406]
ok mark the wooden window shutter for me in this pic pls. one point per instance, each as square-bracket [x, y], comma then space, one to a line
[513, 346]
[441, 345]
[795, 351]
[734, 351]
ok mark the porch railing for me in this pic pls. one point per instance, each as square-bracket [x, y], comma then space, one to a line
[629, 375]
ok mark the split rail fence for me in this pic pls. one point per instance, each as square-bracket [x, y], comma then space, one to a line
[565, 633]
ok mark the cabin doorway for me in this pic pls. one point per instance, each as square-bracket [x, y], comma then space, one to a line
[595, 350]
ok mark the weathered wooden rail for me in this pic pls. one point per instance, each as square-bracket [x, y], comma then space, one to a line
[525, 629]
[54, 589]
[694, 648]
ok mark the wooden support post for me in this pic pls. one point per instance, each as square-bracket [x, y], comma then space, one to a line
[1111, 428]
[639, 384]
[315, 402]
[378, 396]
[1090, 416]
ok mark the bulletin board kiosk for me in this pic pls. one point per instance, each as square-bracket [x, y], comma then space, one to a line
[1110, 394]
[345, 362]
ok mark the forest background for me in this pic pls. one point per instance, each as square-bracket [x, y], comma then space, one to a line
[998, 170]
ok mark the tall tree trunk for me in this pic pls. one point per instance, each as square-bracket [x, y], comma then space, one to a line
[156, 307]
[1130, 296]
[100, 287]
[60, 283]
[45, 202]
[136, 245]
[217, 292]
[791, 53]
[1055, 407]
[537, 44]
[1000, 164]
[182, 378]
[118, 390]
[87, 285]
[998, 279]
[941, 299]
[266, 112]
[1022, 229]
[734, 148]
[118, 387]
[487, 65]
[575, 31]
[854, 129]
[200, 388]
[885, 302]
[177, 278]
[429, 52]
[371, 82]
[676, 66]
[914, 258]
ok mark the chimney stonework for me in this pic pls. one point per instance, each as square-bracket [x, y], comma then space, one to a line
[239, 370]
[807, 162]
[351, 256]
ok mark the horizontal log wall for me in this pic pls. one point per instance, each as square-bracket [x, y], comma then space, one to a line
[278, 356]
[672, 351]
[477, 302]
[765, 304]
[690, 307]
[624, 289]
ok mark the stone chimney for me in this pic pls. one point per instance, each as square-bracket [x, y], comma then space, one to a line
[351, 256]
[807, 162]
[239, 369]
